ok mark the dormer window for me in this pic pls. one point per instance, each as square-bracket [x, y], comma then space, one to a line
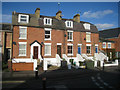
[47, 21]
[23, 18]
[69, 24]
[86, 26]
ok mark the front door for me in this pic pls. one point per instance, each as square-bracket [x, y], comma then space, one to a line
[79, 50]
[35, 52]
[59, 50]
[96, 49]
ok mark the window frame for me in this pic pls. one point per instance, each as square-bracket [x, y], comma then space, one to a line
[70, 24]
[48, 29]
[90, 49]
[86, 26]
[23, 43]
[19, 18]
[47, 21]
[88, 33]
[70, 54]
[109, 44]
[20, 32]
[68, 39]
[105, 44]
[47, 44]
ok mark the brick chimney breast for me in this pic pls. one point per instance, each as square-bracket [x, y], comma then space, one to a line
[76, 18]
[37, 12]
[58, 15]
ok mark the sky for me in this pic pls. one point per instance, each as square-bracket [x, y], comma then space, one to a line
[102, 14]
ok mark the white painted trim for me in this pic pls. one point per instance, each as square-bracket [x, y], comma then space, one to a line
[22, 42]
[39, 51]
[47, 43]
[59, 43]
[96, 44]
[72, 35]
[79, 44]
[47, 19]
[88, 44]
[27, 19]
[49, 29]
[69, 44]
[69, 30]
[44, 49]
[69, 22]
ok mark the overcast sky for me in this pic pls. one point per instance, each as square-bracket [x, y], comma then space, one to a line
[103, 14]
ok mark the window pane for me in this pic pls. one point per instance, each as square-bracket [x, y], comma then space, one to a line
[69, 49]
[88, 49]
[22, 49]
[47, 36]
[47, 49]
[23, 16]
[47, 32]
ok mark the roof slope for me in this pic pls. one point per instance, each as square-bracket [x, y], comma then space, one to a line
[56, 24]
[109, 33]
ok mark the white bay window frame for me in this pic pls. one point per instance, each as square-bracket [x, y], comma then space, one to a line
[70, 54]
[23, 49]
[48, 29]
[69, 37]
[46, 48]
[21, 32]
[88, 36]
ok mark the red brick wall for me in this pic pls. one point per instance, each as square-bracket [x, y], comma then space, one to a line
[57, 36]
[8, 40]
[101, 47]
[22, 66]
[117, 43]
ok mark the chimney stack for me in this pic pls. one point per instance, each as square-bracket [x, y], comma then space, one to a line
[76, 18]
[58, 15]
[37, 12]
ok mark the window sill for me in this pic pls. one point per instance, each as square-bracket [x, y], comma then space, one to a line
[70, 40]
[70, 54]
[47, 39]
[88, 41]
[47, 55]
[23, 38]
[22, 55]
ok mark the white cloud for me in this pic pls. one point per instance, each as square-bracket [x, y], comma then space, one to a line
[97, 14]
[104, 26]
[6, 18]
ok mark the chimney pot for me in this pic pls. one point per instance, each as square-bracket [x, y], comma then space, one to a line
[37, 12]
[76, 18]
[58, 15]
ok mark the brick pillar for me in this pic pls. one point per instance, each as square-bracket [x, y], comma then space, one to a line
[10, 65]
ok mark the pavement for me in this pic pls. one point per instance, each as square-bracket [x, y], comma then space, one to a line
[67, 79]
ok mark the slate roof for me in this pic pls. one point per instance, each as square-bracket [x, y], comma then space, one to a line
[105, 40]
[56, 24]
[109, 33]
[6, 27]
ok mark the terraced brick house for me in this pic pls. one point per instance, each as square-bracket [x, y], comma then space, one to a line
[5, 41]
[37, 37]
[112, 36]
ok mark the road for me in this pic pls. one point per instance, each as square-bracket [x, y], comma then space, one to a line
[67, 79]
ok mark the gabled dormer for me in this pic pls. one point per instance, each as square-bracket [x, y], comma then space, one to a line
[23, 18]
[69, 24]
[86, 26]
[47, 21]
